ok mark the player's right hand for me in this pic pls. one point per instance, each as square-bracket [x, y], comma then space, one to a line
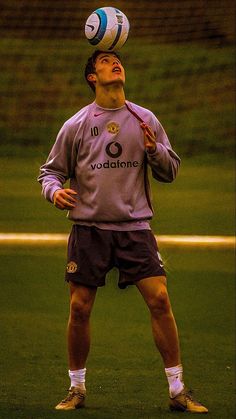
[149, 138]
[63, 199]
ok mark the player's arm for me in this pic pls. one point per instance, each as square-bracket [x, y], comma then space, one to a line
[58, 168]
[163, 160]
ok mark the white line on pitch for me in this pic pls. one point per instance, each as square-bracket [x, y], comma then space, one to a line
[176, 240]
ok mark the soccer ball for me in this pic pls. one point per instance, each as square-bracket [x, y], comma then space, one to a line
[107, 29]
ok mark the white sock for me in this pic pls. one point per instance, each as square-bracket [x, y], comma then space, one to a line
[77, 378]
[175, 379]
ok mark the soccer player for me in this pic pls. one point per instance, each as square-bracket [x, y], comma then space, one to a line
[105, 150]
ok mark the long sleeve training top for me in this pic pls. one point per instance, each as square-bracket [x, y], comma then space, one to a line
[102, 152]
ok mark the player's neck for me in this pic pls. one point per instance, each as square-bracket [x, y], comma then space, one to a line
[110, 98]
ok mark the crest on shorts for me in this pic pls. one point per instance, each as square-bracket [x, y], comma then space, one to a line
[71, 267]
[113, 127]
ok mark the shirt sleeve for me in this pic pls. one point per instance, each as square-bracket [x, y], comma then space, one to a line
[60, 163]
[164, 162]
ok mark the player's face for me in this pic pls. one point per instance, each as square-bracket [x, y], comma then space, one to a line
[109, 70]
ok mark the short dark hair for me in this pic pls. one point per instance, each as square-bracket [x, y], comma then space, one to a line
[90, 66]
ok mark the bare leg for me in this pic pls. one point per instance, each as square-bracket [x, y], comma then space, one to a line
[164, 328]
[78, 331]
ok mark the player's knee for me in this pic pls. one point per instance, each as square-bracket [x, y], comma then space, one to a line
[159, 304]
[80, 311]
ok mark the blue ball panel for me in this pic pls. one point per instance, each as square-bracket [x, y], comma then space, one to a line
[117, 37]
[102, 28]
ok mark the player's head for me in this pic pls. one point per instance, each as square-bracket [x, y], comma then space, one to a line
[99, 61]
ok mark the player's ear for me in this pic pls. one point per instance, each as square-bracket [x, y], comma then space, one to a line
[91, 77]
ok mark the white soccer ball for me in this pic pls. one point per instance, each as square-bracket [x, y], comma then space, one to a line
[107, 29]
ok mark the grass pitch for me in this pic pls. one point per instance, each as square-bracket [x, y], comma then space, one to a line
[190, 87]
[199, 202]
[125, 374]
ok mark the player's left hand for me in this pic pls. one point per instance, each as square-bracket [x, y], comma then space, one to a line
[149, 138]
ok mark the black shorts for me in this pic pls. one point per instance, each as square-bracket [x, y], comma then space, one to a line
[93, 252]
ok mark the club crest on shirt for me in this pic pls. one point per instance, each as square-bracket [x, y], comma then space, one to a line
[113, 127]
[71, 267]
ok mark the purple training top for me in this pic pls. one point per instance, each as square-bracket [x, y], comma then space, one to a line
[102, 152]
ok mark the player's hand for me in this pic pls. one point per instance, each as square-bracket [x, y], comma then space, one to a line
[149, 138]
[64, 199]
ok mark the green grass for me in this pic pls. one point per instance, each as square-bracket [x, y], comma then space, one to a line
[125, 373]
[200, 201]
[190, 87]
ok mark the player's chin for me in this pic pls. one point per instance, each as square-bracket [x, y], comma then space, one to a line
[119, 81]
